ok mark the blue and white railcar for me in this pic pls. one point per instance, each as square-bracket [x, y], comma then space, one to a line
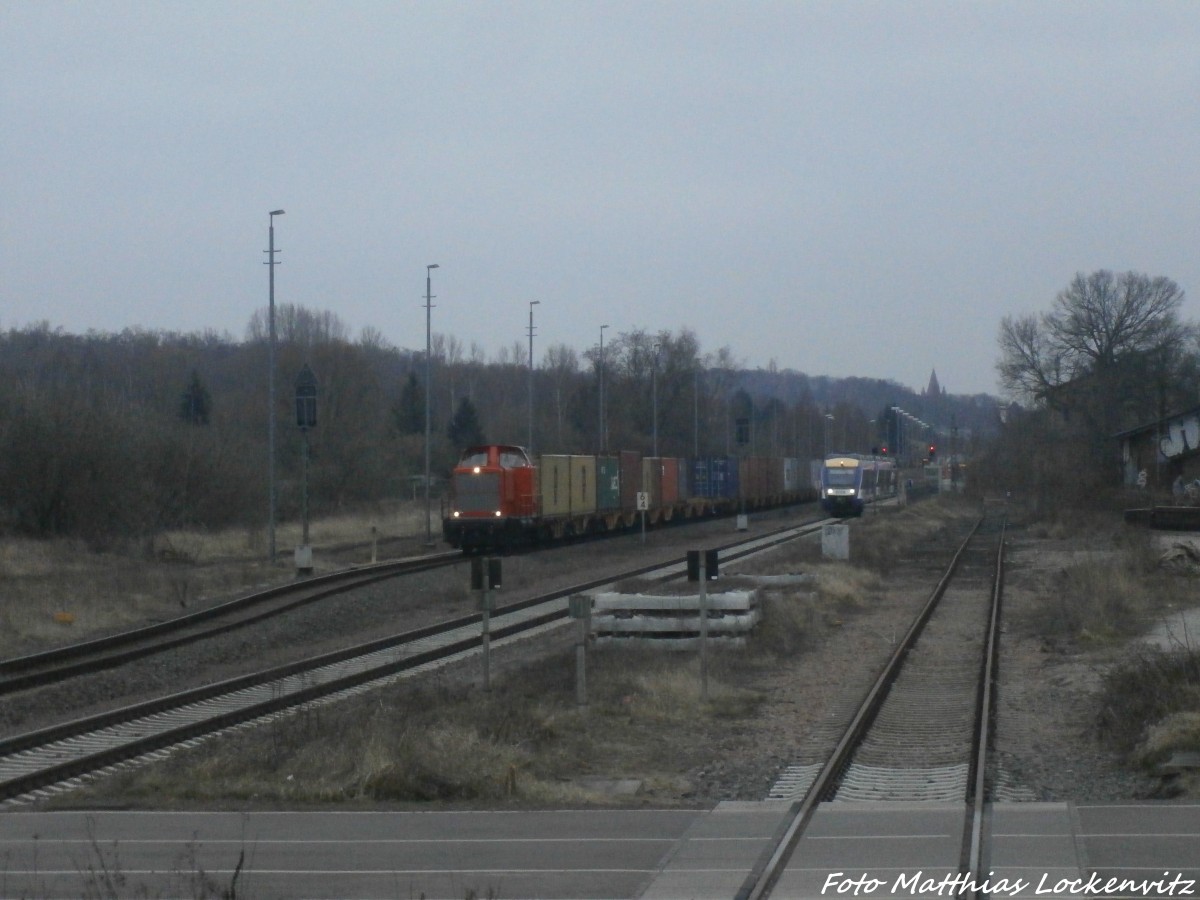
[850, 481]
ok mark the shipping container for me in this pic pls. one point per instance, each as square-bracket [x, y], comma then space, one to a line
[554, 484]
[702, 483]
[631, 479]
[583, 484]
[747, 480]
[652, 480]
[773, 471]
[685, 480]
[715, 477]
[668, 481]
[732, 481]
[608, 483]
[791, 475]
[568, 484]
[761, 477]
[555, 481]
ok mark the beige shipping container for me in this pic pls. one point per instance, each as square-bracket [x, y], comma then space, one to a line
[554, 479]
[583, 484]
[568, 485]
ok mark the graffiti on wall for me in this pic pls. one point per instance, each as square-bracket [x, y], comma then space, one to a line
[1182, 436]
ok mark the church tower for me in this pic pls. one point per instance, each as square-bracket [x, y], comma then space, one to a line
[934, 391]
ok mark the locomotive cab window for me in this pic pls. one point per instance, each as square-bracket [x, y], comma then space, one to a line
[840, 477]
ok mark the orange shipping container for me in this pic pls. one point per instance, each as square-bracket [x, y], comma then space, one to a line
[669, 485]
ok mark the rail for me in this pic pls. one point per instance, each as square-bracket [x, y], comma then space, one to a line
[763, 877]
[49, 666]
[80, 747]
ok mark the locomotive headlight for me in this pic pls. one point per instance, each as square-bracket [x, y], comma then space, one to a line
[498, 514]
[456, 514]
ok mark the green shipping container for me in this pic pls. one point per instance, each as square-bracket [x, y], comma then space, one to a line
[608, 483]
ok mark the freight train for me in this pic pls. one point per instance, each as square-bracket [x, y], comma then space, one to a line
[502, 497]
[849, 481]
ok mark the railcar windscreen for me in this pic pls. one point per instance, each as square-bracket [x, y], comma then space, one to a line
[839, 477]
[512, 459]
[474, 459]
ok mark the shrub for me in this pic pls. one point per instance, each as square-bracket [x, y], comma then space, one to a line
[1146, 688]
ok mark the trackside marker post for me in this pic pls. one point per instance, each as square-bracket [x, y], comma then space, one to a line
[581, 611]
[485, 577]
[701, 566]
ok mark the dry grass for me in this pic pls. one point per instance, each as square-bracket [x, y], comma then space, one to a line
[879, 538]
[1152, 703]
[525, 742]
[59, 591]
[1105, 597]
[388, 520]
[1179, 731]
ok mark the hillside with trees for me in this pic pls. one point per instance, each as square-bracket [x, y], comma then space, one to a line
[113, 437]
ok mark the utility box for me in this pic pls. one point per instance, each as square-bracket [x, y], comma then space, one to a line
[304, 563]
[835, 541]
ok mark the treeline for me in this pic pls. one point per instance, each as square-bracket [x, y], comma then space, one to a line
[1111, 354]
[116, 436]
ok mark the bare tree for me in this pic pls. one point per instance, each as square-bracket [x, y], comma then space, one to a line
[1111, 353]
[1101, 326]
[299, 325]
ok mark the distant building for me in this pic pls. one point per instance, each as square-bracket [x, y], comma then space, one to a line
[934, 391]
[1159, 454]
[933, 406]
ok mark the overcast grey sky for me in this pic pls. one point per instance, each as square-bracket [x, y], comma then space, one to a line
[846, 188]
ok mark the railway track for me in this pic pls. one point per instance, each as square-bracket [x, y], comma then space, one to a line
[922, 731]
[40, 669]
[51, 666]
[60, 757]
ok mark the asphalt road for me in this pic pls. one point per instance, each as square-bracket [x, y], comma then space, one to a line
[1035, 850]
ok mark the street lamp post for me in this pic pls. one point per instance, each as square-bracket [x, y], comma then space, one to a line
[271, 383]
[696, 413]
[897, 447]
[654, 397]
[532, 304]
[600, 437]
[428, 399]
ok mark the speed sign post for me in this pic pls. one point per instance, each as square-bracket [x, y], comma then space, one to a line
[485, 578]
[580, 608]
[643, 504]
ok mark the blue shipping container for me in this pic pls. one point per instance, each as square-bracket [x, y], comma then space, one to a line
[715, 477]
